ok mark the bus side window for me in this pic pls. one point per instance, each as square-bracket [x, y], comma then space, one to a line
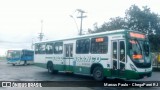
[37, 46]
[58, 48]
[99, 45]
[40, 48]
[49, 48]
[82, 46]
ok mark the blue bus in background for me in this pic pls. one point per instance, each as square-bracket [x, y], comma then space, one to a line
[20, 57]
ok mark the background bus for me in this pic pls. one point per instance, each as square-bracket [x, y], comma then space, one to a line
[20, 57]
[112, 54]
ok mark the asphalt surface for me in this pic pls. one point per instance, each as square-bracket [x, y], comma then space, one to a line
[34, 73]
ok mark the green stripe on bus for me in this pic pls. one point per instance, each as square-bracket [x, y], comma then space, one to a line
[104, 58]
[68, 58]
[49, 57]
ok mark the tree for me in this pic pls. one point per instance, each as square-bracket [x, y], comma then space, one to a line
[154, 43]
[113, 24]
[137, 19]
[142, 20]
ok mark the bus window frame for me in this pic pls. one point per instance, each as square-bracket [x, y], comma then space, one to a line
[49, 51]
[87, 44]
[105, 40]
[59, 44]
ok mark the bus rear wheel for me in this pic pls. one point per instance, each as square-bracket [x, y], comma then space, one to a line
[98, 73]
[50, 68]
[25, 63]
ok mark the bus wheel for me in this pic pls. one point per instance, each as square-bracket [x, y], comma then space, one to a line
[98, 73]
[25, 63]
[50, 68]
[13, 64]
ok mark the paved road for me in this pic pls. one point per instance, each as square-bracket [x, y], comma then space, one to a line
[34, 73]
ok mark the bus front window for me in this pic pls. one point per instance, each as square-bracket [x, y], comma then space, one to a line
[139, 52]
[13, 54]
[135, 50]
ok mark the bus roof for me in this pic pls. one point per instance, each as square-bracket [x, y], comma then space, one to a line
[19, 50]
[89, 35]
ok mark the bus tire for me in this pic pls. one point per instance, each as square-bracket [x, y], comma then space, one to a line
[25, 63]
[50, 68]
[98, 73]
[13, 64]
[55, 71]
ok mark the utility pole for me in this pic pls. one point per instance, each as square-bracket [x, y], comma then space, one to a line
[41, 33]
[81, 17]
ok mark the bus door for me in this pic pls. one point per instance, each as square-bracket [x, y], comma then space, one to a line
[118, 58]
[68, 57]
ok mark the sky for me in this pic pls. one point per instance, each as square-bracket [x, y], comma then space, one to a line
[20, 20]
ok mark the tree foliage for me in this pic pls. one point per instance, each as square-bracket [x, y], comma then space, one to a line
[142, 20]
[113, 24]
[137, 19]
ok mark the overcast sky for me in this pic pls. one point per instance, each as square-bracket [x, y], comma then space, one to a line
[20, 20]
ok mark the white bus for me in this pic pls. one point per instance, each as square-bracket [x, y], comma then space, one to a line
[113, 54]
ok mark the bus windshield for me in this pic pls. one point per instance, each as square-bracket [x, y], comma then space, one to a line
[135, 49]
[13, 54]
[139, 51]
